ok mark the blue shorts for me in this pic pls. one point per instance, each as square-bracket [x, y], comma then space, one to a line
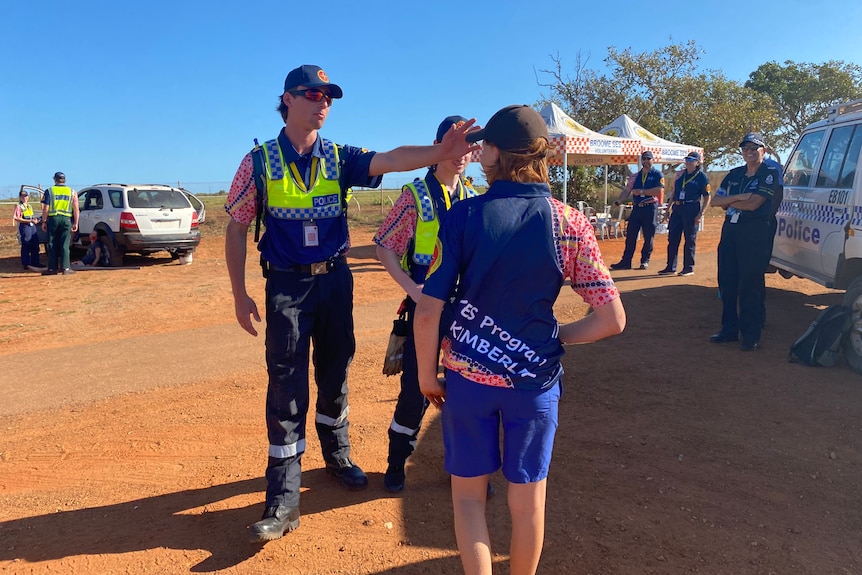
[471, 419]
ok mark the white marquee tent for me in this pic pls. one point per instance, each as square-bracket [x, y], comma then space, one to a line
[664, 151]
[575, 145]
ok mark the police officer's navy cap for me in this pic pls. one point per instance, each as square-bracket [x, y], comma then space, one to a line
[311, 76]
[754, 138]
[59, 176]
[512, 129]
[694, 156]
[647, 155]
[446, 124]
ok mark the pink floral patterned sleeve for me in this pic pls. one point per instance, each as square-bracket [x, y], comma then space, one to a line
[399, 226]
[241, 203]
[581, 258]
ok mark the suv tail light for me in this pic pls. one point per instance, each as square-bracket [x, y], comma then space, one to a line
[128, 222]
[194, 219]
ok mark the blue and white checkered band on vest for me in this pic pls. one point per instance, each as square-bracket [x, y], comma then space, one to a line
[426, 223]
[426, 203]
[287, 196]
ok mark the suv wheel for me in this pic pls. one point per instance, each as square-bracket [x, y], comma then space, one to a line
[852, 342]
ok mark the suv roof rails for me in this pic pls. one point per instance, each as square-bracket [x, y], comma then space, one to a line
[851, 107]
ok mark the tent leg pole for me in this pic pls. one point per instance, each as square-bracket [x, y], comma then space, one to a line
[565, 177]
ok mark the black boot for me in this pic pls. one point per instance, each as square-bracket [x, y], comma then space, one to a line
[276, 521]
[393, 480]
[348, 474]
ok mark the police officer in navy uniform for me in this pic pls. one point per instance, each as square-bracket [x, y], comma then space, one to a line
[690, 199]
[405, 244]
[646, 188]
[309, 288]
[747, 194]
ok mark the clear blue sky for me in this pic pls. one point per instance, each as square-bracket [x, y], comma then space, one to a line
[163, 92]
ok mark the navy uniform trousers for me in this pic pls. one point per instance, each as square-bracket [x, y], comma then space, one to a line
[411, 405]
[59, 234]
[29, 244]
[681, 225]
[642, 219]
[743, 252]
[302, 309]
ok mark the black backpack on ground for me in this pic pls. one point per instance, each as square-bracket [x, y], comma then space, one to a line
[820, 345]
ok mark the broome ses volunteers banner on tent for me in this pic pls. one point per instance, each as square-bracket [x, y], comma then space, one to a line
[664, 151]
[581, 146]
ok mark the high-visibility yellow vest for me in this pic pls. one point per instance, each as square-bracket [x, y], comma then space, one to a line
[427, 222]
[61, 201]
[286, 195]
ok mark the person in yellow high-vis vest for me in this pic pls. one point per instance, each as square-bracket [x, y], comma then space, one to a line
[405, 244]
[27, 221]
[60, 219]
[303, 181]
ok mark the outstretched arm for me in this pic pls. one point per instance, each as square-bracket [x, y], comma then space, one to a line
[406, 158]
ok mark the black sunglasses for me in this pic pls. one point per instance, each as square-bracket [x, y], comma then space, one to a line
[313, 95]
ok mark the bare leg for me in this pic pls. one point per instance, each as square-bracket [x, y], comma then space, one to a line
[471, 529]
[527, 506]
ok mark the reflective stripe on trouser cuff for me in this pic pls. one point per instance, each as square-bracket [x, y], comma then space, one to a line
[330, 422]
[394, 426]
[285, 451]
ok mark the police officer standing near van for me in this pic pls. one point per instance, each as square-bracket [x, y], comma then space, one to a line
[746, 193]
[647, 188]
[690, 199]
[60, 219]
[309, 288]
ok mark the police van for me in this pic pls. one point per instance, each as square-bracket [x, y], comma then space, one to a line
[819, 231]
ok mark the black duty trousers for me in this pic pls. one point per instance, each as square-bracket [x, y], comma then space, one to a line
[411, 405]
[642, 219]
[743, 253]
[302, 309]
[681, 225]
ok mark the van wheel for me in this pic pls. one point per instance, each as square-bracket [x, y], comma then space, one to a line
[852, 342]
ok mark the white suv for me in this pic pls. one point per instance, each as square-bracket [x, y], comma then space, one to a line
[140, 219]
[819, 234]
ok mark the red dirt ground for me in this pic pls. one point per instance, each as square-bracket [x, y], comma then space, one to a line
[133, 436]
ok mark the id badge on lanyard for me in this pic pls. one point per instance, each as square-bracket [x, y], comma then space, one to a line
[310, 237]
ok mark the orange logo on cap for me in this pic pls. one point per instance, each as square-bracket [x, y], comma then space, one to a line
[323, 77]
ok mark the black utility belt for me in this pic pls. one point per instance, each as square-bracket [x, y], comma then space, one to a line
[642, 204]
[681, 203]
[314, 269]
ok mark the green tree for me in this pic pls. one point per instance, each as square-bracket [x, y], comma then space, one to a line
[803, 92]
[662, 91]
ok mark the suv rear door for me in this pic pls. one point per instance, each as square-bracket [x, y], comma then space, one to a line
[91, 203]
